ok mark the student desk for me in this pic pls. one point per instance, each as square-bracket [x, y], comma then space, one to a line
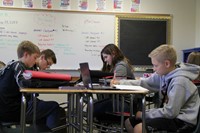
[79, 102]
[71, 94]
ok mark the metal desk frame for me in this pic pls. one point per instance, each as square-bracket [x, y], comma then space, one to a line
[79, 102]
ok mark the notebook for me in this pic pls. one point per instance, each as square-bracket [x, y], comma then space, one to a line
[86, 78]
[130, 87]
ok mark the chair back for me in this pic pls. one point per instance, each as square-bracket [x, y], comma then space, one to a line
[197, 130]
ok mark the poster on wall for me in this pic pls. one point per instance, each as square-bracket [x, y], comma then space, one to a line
[65, 4]
[82, 4]
[134, 7]
[100, 5]
[118, 5]
[27, 3]
[7, 3]
[46, 4]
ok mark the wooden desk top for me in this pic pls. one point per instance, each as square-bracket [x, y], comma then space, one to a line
[56, 90]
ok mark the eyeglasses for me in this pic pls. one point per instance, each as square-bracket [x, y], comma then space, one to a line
[48, 63]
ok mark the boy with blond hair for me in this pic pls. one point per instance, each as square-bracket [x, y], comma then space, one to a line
[179, 108]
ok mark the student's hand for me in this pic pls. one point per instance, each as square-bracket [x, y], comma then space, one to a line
[114, 82]
[139, 115]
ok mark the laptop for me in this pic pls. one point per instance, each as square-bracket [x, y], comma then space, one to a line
[87, 80]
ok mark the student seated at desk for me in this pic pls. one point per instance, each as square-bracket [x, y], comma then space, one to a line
[47, 112]
[46, 60]
[194, 58]
[113, 61]
[180, 99]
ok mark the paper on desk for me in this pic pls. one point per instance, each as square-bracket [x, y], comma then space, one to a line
[131, 87]
[94, 84]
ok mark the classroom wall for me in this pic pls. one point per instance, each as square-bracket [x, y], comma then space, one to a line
[197, 23]
[185, 23]
[183, 20]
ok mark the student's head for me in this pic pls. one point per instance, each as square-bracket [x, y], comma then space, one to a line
[111, 54]
[47, 58]
[194, 58]
[28, 52]
[2, 64]
[163, 59]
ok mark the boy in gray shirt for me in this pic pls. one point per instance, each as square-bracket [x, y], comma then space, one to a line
[180, 105]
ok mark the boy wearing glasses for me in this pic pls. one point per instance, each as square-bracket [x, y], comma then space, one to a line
[46, 60]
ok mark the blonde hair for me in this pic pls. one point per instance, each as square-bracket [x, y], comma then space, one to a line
[27, 46]
[2, 64]
[164, 52]
[194, 58]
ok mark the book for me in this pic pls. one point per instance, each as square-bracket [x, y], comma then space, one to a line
[131, 87]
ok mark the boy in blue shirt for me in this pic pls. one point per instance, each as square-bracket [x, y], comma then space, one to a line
[47, 112]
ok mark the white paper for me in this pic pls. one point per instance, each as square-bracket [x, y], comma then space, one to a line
[130, 87]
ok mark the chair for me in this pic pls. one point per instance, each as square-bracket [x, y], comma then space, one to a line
[114, 121]
[7, 125]
[14, 127]
[152, 100]
[197, 130]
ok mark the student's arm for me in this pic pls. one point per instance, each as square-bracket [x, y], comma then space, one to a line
[120, 70]
[151, 83]
[19, 68]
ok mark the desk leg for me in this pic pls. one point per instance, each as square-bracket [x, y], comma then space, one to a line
[91, 115]
[81, 114]
[23, 113]
[131, 105]
[143, 114]
[73, 113]
[122, 114]
[113, 103]
[78, 113]
[69, 112]
[34, 110]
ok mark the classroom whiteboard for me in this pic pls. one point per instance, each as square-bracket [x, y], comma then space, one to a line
[75, 37]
